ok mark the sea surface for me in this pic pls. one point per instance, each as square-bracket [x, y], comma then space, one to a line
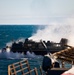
[9, 33]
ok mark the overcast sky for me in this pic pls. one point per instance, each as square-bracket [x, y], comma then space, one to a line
[35, 11]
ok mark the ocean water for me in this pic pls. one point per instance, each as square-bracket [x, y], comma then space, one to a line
[9, 33]
[14, 32]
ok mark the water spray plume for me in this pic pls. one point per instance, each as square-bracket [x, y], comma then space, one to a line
[55, 31]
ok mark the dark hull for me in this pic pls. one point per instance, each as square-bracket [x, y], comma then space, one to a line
[39, 48]
[37, 52]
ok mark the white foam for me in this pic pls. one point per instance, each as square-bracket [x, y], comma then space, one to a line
[32, 55]
[10, 55]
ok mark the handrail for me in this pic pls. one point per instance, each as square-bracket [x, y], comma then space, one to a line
[22, 67]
